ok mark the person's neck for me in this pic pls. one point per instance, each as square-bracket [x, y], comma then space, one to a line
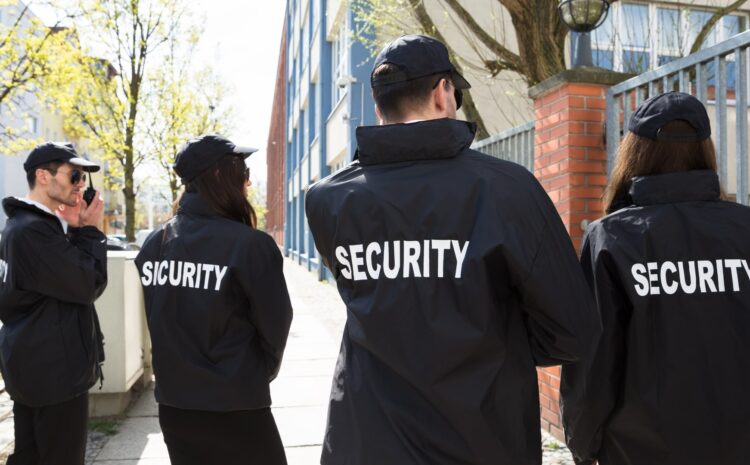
[42, 197]
[417, 116]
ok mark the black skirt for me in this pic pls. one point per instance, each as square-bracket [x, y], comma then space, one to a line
[196, 437]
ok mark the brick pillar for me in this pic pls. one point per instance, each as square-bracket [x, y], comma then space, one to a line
[571, 164]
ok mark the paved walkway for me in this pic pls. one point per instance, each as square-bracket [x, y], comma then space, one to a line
[300, 393]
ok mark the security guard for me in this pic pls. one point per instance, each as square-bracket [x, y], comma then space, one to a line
[458, 276]
[670, 267]
[53, 266]
[218, 312]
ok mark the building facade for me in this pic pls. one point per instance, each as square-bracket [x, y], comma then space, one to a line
[327, 96]
[639, 36]
[276, 152]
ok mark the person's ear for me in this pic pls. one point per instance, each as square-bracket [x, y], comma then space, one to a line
[440, 97]
[42, 176]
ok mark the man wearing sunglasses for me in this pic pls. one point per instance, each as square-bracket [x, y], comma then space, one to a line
[458, 276]
[54, 266]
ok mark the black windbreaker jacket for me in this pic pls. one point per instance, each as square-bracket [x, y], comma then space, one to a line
[459, 278]
[50, 342]
[670, 381]
[217, 308]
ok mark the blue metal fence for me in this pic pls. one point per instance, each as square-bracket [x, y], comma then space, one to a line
[516, 145]
[718, 77]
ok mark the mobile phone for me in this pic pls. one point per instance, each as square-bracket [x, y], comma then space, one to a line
[90, 192]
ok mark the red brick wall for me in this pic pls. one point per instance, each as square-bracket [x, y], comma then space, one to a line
[571, 164]
[275, 152]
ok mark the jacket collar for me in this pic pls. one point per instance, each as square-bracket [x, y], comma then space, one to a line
[423, 140]
[193, 203]
[12, 205]
[675, 187]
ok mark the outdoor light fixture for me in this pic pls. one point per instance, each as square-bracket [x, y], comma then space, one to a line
[583, 16]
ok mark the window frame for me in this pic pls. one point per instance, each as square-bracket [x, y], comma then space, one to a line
[654, 48]
[340, 61]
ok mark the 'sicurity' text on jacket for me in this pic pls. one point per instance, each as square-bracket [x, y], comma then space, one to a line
[218, 310]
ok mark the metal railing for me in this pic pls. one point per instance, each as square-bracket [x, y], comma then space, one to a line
[516, 145]
[705, 75]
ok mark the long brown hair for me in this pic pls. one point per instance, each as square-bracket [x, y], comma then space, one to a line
[639, 156]
[221, 186]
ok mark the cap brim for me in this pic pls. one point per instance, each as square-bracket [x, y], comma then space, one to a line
[459, 82]
[84, 164]
[244, 152]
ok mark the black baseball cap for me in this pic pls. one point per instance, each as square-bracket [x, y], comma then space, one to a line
[57, 151]
[661, 109]
[201, 153]
[415, 56]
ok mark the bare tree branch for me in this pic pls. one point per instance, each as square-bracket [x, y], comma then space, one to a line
[715, 17]
[507, 59]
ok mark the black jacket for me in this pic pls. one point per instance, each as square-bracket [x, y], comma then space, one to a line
[50, 341]
[218, 310]
[670, 381]
[438, 357]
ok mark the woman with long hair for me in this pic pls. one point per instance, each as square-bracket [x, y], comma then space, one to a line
[218, 312]
[668, 265]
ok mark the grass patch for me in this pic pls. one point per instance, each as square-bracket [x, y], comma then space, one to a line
[105, 425]
[554, 445]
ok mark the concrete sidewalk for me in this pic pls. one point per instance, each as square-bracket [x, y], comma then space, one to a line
[299, 393]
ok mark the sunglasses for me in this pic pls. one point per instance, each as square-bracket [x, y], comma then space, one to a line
[239, 160]
[458, 94]
[76, 176]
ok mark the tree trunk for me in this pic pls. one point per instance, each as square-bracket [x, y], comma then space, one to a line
[129, 194]
[129, 168]
[128, 172]
[472, 114]
[541, 37]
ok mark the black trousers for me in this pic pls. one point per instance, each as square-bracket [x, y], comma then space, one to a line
[51, 435]
[196, 437]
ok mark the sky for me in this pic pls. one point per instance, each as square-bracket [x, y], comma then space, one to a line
[242, 40]
[241, 43]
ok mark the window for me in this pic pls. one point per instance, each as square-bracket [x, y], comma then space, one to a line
[340, 61]
[32, 125]
[291, 39]
[636, 46]
[603, 44]
[669, 43]
[305, 41]
[315, 14]
[637, 37]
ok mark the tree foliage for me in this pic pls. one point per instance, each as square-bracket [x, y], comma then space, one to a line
[182, 104]
[30, 52]
[102, 98]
